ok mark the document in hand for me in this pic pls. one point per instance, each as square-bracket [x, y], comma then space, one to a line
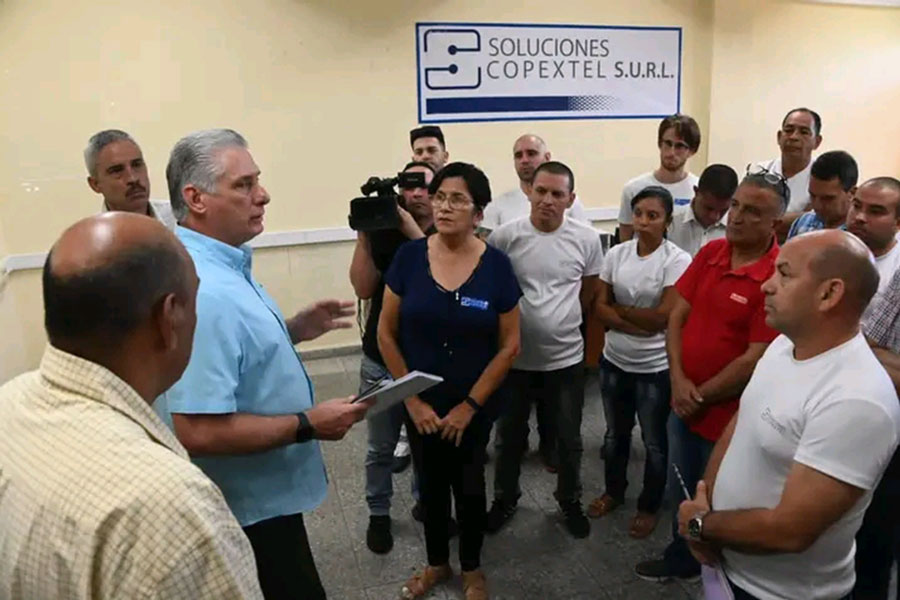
[390, 393]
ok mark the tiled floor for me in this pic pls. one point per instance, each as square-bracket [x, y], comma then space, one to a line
[533, 558]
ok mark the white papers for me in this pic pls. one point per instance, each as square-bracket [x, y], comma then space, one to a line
[389, 393]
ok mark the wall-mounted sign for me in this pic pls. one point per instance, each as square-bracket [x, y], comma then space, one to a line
[497, 72]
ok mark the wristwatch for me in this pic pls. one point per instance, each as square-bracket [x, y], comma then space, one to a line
[695, 527]
[305, 431]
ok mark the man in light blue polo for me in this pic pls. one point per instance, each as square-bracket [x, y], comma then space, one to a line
[244, 406]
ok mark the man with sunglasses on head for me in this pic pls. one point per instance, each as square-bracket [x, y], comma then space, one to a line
[372, 256]
[716, 334]
[678, 139]
[799, 136]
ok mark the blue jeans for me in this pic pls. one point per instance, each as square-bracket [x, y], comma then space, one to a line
[624, 394]
[690, 452]
[384, 431]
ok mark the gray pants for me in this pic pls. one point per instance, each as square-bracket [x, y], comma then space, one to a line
[384, 431]
[563, 391]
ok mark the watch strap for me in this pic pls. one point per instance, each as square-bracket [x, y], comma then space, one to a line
[473, 403]
[305, 431]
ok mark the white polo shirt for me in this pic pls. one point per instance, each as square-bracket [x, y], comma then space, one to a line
[798, 184]
[514, 205]
[688, 234]
[836, 413]
[161, 210]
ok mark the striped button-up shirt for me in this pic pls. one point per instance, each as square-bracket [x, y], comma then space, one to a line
[99, 500]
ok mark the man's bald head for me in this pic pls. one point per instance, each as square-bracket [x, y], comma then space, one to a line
[529, 152]
[106, 274]
[836, 254]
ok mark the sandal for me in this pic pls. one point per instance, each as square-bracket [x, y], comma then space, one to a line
[421, 583]
[474, 585]
[602, 506]
[643, 525]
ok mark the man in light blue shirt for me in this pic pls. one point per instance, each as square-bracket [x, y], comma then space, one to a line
[244, 406]
[832, 183]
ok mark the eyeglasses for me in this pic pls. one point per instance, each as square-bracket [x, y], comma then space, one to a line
[456, 201]
[770, 177]
[680, 146]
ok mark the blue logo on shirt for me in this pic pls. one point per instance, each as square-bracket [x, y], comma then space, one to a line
[473, 303]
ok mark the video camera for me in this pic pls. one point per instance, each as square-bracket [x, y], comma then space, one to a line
[374, 213]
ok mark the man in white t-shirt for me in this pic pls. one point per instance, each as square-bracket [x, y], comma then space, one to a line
[800, 134]
[788, 483]
[874, 217]
[678, 139]
[529, 152]
[117, 171]
[705, 218]
[556, 260]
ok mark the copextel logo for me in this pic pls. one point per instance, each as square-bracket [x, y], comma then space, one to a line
[511, 71]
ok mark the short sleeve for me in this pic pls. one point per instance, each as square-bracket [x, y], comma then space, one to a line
[608, 264]
[498, 239]
[675, 267]
[828, 445]
[491, 218]
[759, 331]
[210, 381]
[795, 227]
[687, 283]
[507, 292]
[625, 217]
[593, 263]
[395, 278]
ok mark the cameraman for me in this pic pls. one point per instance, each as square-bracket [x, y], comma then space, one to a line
[371, 258]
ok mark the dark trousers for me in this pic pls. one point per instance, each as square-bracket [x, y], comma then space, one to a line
[284, 560]
[690, 452]
[563, 389]
[878, 542]
[445, 469]
[625, 394]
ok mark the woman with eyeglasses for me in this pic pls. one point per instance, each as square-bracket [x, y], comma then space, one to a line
[451, 309]
[635, 296]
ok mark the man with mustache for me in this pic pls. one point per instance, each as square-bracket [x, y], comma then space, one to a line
[716, 334]
[800, 134]
[677, 139]
[117, 171]
[788, 482]
[244, 407]
[874, 217]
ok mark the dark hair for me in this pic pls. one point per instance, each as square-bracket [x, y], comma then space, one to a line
[766, 181]
[556, 168]
[655, 191]
[836, 163]
[427, 131]
[886, 181]
[817, 120]
[476, 181]
[685, 127]
[418, 163]
[106, 303]
[719, 181]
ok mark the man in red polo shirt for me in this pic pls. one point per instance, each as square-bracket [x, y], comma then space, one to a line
[717, 332]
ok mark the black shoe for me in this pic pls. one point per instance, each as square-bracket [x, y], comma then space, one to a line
[660, 571]
[418, 513]
[378, 536]
[576, 522]
[501, 512]
[400, 463]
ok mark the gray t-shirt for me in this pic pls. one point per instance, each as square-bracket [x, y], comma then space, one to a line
[550, 267]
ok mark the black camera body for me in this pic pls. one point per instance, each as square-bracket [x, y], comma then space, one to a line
[378, 212]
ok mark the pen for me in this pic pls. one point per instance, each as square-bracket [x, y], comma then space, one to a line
[371, 388]
[684, 489]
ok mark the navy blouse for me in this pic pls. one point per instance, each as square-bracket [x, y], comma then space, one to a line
[454, 334]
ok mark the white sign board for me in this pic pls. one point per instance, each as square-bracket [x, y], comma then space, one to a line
[499, 72]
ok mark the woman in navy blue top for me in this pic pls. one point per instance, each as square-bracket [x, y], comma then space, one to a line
[451, 308]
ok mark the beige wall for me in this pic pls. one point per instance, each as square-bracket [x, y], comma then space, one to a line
[325, 93]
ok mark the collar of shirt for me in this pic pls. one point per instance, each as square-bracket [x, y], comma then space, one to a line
[150, 212]
[237, 258]
[758, 270]
[90, 380]
[688, 216]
